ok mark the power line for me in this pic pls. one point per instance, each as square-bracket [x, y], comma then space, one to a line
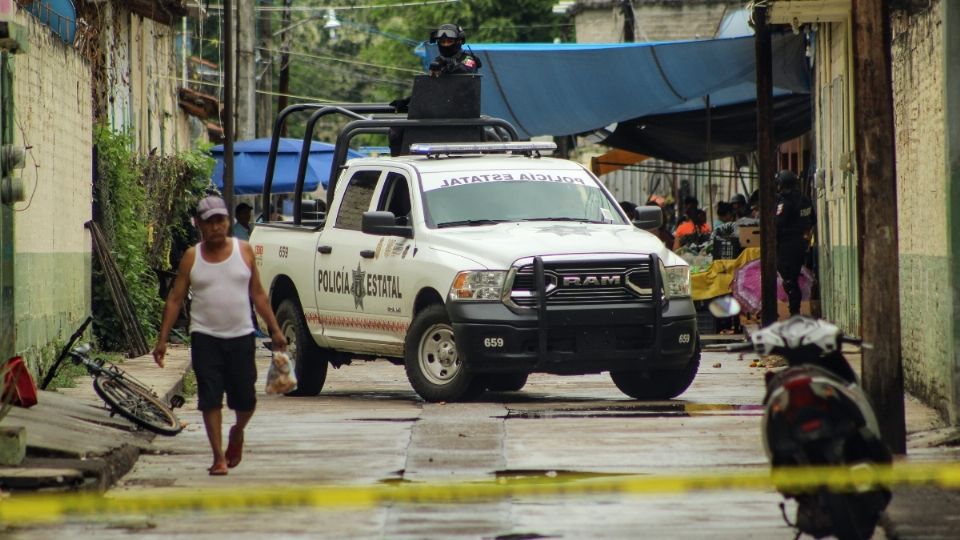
[335, 59]
[323, 9]
[219, 86]
[319, 57]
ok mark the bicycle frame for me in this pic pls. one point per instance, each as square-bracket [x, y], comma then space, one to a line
[65, 352]
[123, 393]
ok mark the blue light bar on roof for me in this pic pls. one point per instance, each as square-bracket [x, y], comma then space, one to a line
[480, 148]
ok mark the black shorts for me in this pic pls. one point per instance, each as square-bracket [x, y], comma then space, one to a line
[224, 365]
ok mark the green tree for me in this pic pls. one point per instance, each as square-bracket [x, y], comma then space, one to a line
[370, 57]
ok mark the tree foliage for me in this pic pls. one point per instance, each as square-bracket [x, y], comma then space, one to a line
[143, 207]
[370, 57]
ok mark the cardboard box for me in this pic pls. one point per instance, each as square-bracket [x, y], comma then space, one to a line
[749, 236]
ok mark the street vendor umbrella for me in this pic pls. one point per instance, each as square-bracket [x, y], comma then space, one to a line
[746, 286]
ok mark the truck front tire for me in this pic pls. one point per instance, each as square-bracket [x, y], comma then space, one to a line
[505, 382]
[658, 384]
[310, 365]
[433, 364]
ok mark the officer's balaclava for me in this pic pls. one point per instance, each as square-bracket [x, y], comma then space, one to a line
[449, 31]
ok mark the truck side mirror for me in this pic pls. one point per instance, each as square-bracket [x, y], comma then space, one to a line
[648, 217]
[384, 224]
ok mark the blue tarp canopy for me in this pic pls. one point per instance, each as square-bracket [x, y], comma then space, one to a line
[250, 165]
[567, 89]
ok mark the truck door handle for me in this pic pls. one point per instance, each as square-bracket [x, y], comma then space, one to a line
[367, 254]
[325, 249]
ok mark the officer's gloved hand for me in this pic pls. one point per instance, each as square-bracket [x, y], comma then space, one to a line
[442, 64]
[401, 105]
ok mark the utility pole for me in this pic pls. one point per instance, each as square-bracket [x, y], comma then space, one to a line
[765, 166]
[629, 21]
[228, 105]
[877, 218]
[246, 70]
[284, 84]
[265, 85]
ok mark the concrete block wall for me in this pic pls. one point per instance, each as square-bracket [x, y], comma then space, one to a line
[52, 251]
[659, 20]
[923, 212]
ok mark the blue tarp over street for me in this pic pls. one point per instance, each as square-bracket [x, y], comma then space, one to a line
[250, 165]
[566, 89]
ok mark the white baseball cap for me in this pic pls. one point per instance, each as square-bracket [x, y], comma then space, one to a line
[211, 206]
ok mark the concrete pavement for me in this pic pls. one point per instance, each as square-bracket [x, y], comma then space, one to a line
[74, 444]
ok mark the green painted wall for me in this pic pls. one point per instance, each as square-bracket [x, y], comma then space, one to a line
[840, 286]
[926, 326]
[925, 53]
[951, 112]
[53, 298]
[7, 333]
[925, 212]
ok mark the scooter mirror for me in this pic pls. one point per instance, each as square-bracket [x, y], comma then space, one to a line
[725, 306]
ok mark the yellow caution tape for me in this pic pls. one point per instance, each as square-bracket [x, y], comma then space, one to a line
[21, 509]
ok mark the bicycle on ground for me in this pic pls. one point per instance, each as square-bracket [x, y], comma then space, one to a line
[124, 394]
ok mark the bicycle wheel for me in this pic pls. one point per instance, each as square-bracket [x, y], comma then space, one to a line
[137, 404]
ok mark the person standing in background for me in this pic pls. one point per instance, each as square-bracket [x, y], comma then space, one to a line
[242, 228]
[794, 224]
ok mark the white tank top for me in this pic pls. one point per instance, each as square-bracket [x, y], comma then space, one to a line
[221, 295]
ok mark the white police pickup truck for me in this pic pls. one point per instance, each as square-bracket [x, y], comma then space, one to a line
[474, 265]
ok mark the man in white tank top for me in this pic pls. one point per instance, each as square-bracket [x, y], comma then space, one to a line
[222, 274]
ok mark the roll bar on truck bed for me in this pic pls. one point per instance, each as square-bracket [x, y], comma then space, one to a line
[365, 118]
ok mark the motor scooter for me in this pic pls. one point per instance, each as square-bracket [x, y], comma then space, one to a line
[816, 413]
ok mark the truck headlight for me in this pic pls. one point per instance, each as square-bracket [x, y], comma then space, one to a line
[484, 285]
[676, 281]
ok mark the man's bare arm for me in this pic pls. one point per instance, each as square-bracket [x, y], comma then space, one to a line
[260, 300]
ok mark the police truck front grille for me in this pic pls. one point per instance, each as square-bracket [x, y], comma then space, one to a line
[612, 282]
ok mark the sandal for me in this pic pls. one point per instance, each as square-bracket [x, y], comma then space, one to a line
[234, 451]
[218, 469]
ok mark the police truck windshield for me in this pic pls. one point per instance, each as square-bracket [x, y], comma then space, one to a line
[487, 197]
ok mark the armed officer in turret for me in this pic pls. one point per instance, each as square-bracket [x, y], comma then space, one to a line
[452, 60]
[795, 220]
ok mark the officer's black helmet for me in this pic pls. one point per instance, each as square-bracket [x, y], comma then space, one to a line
[449, 31]
[787, 179]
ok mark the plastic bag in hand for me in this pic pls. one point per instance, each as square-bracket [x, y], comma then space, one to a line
[280, 375]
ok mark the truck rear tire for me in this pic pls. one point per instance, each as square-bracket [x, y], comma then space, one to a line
[433, 364]
[657, 384]
[310, 365]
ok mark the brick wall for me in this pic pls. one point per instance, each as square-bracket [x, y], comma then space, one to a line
[51, 247]
[923, 212]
